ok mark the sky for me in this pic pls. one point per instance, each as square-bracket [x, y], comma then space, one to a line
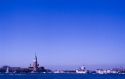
[65, 34]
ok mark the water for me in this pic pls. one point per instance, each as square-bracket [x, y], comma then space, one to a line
[62, 76]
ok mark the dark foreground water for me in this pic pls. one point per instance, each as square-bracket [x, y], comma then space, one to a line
[62, 76]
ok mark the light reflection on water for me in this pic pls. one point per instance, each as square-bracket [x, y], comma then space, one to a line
[62, 76]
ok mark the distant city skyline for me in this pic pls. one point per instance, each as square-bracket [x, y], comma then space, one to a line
[36, 65]
[65, 34]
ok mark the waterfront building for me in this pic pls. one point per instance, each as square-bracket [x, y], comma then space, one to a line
[32, 68]
[59, 71]
[108, 71]
[81, 70]
[7, 71]
[100, 71]
[36, 68]
[35, 64]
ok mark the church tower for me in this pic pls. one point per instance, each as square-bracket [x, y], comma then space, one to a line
[35, 66]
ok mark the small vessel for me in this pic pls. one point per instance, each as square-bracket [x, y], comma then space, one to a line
[81, 70]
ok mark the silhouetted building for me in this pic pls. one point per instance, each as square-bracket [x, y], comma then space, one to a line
[34, 68]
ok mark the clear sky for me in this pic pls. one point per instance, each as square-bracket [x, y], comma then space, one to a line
[65, 34]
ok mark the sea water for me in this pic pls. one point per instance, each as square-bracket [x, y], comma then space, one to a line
[62, 76]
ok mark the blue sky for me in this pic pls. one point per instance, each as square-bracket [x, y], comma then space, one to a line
[65, 34]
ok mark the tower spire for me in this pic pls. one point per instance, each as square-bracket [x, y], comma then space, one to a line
[35, 63]
[35, 54]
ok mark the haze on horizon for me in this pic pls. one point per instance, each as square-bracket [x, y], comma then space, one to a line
[65, 34]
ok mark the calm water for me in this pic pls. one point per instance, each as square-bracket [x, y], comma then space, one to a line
[62, 76]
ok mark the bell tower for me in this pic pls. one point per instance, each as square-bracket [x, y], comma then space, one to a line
[35, 66]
